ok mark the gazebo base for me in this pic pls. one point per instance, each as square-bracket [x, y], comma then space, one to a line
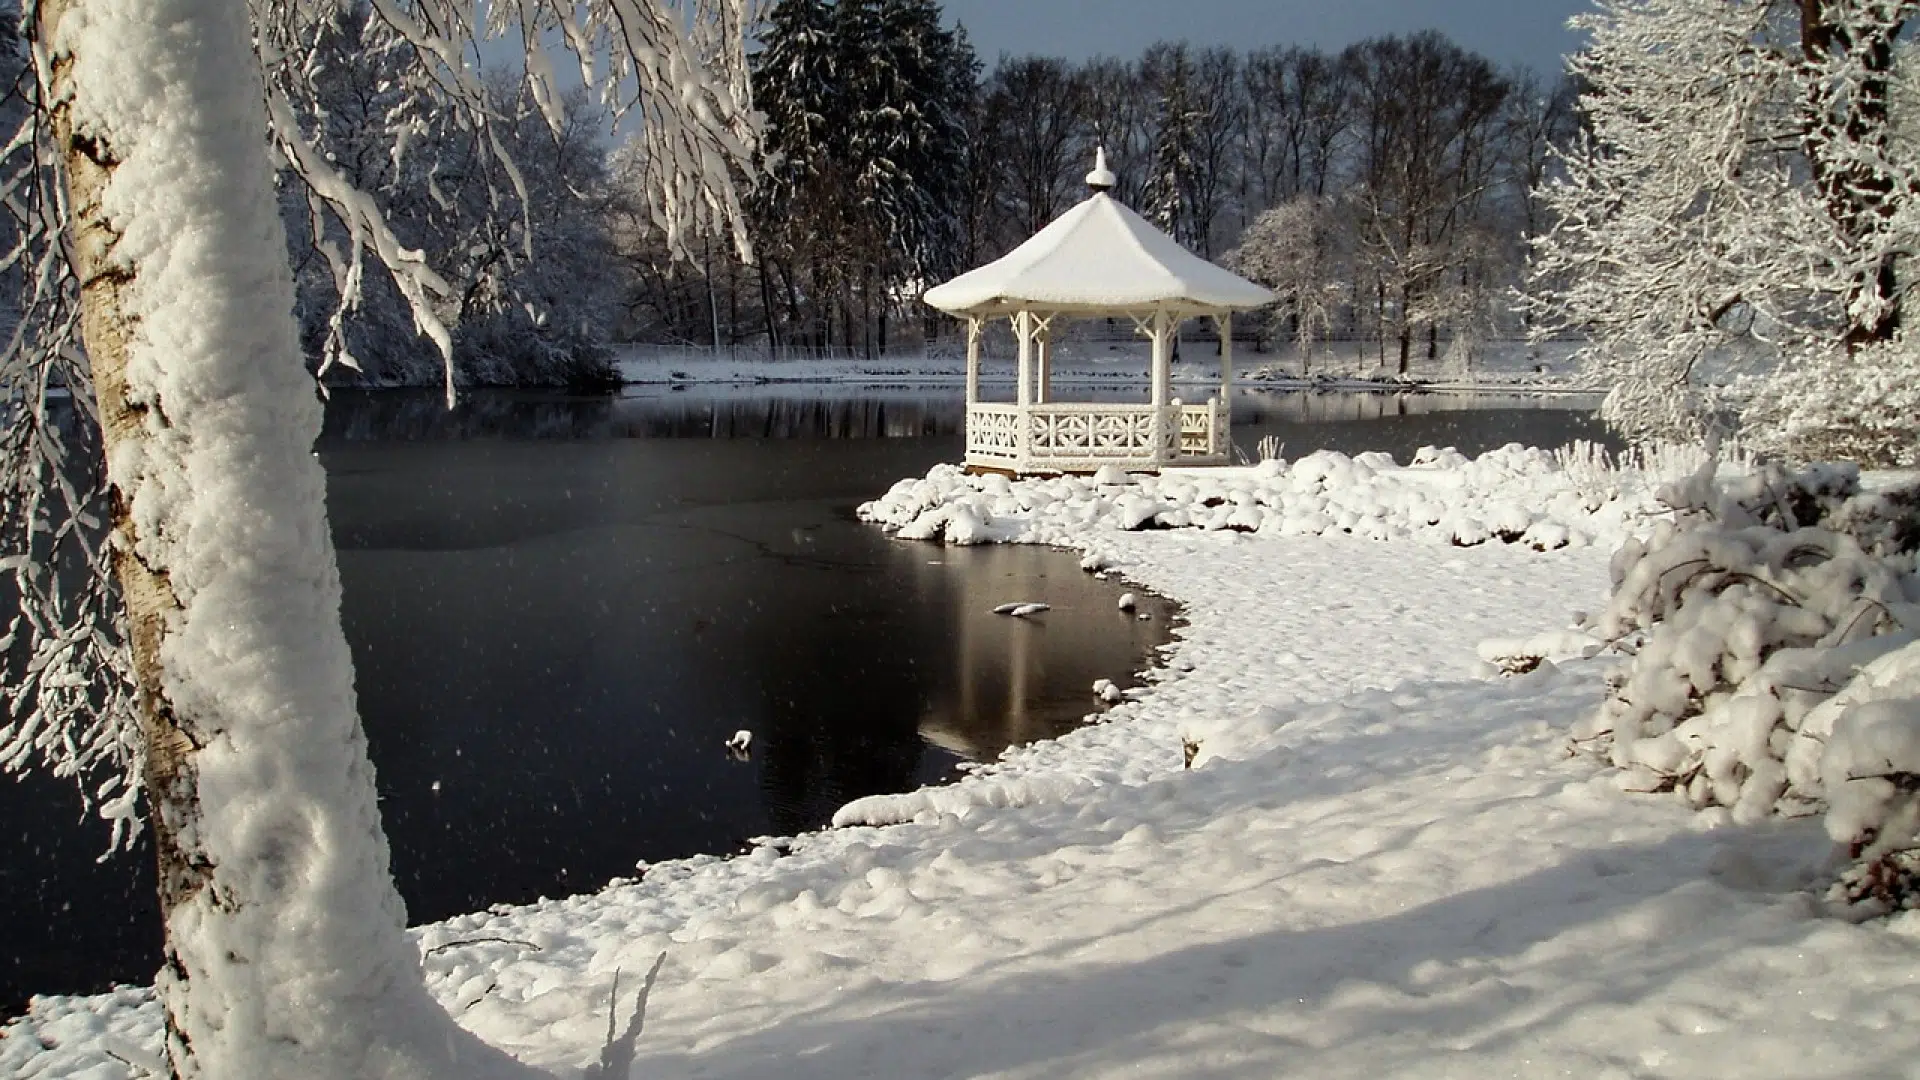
[979, 468]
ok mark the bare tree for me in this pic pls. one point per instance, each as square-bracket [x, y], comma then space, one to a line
[1035, 107]
[1219, 100]
[1120, 109]
[1427, 120]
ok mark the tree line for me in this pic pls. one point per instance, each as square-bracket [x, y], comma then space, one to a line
[1400, 195]
[1386, 191]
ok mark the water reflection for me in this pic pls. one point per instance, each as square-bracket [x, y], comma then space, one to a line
[1307, 420]
[1401, 423]
[553, 639]
[824, 414]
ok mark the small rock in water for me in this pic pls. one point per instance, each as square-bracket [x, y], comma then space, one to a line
[1126, 601]
[1020, 609]
[1144, 616]
[1106, 691]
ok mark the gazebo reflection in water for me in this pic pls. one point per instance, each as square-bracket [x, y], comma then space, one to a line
[1097, 260]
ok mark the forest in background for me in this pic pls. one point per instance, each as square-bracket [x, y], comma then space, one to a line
[1384, 191]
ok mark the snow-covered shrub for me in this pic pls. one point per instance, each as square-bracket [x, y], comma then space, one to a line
[1591, 471]
[1601, 477]
[1515, 495]
[1763, 597]
[1871, 772]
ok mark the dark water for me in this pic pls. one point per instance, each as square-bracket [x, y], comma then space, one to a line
[561, 607]
[554, 638]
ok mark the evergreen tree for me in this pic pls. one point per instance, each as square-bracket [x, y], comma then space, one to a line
[868, 104]
[945, 81]
[796, 87]
[796, 207]
[1174, 176]
[906, 133]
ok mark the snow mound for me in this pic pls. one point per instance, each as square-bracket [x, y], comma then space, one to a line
[960, 799]
[1514, 495]
[1871, 734]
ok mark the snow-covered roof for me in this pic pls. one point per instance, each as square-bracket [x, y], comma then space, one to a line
[1098, 256]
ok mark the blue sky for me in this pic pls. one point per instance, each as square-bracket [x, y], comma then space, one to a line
[1531, 32]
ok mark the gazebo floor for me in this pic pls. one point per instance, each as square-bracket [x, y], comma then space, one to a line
[974, 468]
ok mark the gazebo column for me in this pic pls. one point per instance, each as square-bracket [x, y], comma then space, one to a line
[1023, 337]
[1161, 379]
[973, 360]
[1043, 346]
[1023, 437]
[967, 422]
[1224, 321]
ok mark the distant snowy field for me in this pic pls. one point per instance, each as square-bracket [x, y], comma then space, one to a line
[1382, 861]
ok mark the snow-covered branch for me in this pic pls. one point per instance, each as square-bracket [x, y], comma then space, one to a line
[1738, 218]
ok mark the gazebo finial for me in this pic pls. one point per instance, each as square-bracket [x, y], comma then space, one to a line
[1101, 179]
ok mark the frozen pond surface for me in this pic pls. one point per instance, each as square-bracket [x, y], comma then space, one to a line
[560, 608]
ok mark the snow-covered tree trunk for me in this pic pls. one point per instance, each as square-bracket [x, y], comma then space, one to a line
[285, 947]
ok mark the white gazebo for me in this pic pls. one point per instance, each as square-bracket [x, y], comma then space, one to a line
[1097, 260]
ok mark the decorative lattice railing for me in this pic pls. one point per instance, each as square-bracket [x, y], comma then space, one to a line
[1085, 436]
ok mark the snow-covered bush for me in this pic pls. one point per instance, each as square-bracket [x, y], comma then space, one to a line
[1601, 477]
[1871, 772]
[1759, 601]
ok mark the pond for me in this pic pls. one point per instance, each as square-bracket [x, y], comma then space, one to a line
[560, 608]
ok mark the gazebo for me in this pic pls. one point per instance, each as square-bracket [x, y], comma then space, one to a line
[1097, 260]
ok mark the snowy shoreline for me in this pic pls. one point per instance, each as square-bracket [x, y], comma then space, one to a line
[1382, 861]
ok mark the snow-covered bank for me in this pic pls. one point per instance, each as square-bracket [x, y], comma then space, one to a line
[1540, 499]
[1382, 863]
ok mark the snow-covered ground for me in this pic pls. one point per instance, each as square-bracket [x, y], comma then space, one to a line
[1382, 861]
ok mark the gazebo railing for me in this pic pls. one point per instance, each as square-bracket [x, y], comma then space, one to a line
[1203, 430]
[1082, 437]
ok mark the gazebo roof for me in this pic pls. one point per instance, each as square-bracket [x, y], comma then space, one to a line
[1099, 256]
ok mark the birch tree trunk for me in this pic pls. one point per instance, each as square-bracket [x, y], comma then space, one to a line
[285, 948]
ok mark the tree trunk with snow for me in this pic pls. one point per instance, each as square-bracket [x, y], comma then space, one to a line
[286, 954]
[1859, 194]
